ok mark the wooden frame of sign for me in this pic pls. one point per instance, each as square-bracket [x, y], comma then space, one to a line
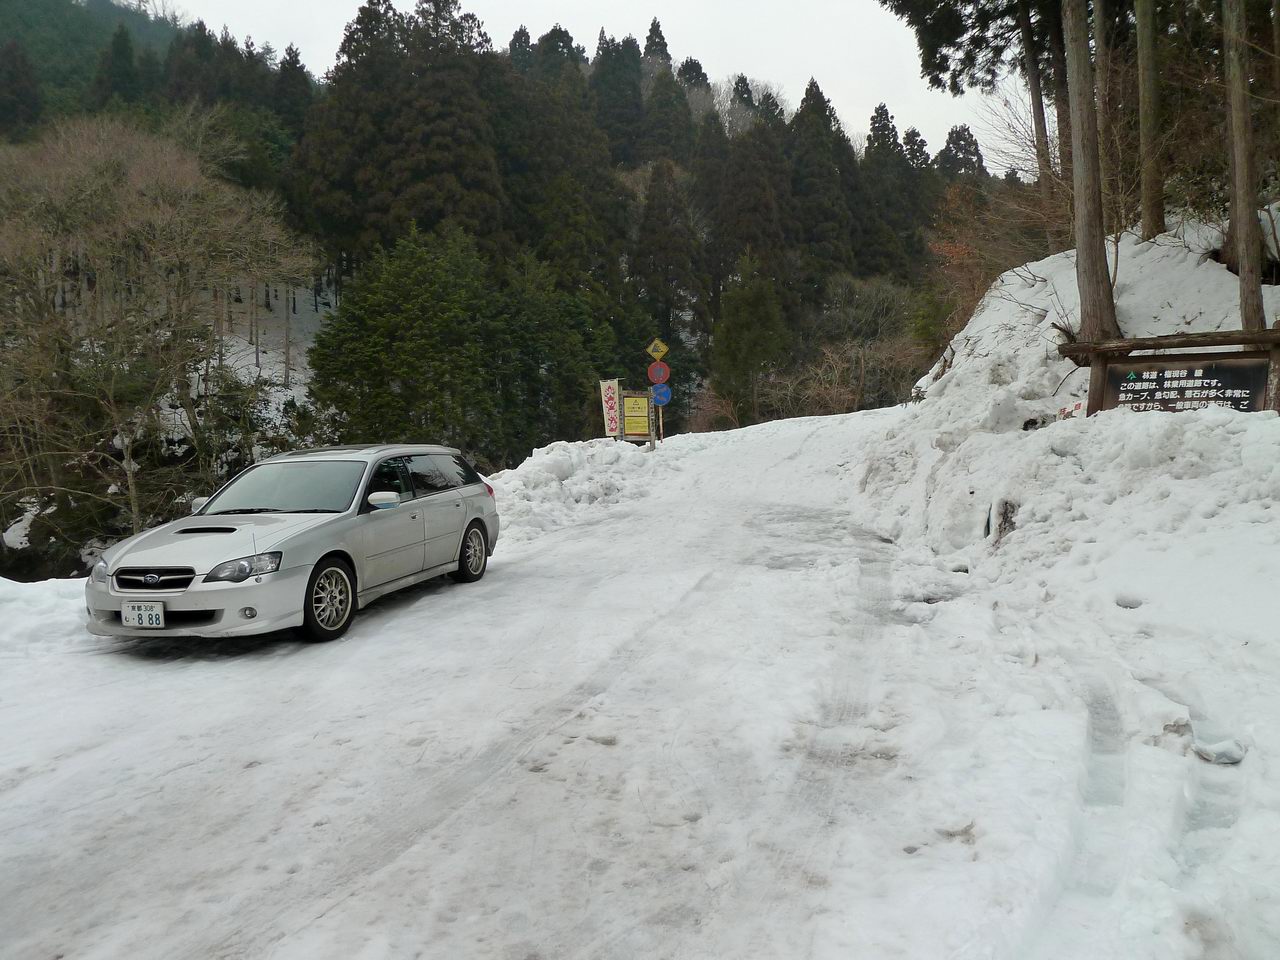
[649, 436]
[1247, 379]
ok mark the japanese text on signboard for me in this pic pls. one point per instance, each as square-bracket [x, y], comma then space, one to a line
[1176, 383]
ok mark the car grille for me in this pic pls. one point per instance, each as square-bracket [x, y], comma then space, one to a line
[154, 578]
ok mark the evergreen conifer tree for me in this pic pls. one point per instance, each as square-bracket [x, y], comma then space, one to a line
[616, 74]
[771, 113]
[344, 159]
[408, 353]
[655, 44]
[710, 165]
[521, 50]
[117, 74]
[668, 124]
[883, 144]
[823, 213]
[916, 149]
[446, 166]
[754, 199]
[742, 93]
[20, 102]
[554, 51]
[667, 258]
[748, 340]
[292, 91]
[188, 65]
[893, 187]
[960, 156]
[692, 75]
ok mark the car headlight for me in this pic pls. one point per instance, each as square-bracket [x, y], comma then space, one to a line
[238, 571]
[100, 572]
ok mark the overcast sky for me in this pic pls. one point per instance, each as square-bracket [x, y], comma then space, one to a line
[859, 53]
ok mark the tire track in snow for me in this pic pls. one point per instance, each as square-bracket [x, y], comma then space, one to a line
[1080, 921]
[835, 768]
[466, 781]
[777, 892]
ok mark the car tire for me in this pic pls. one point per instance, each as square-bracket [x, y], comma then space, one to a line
[473, 555]
[330, 603]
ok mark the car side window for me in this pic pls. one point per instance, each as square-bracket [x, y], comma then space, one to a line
[449, 466]
[427, 476]
[466, 470]
[389, 477]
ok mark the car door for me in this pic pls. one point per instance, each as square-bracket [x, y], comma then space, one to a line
[442, 508]
[393, 538]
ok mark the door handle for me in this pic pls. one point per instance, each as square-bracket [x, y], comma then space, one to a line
[413, 516]
[457, 503]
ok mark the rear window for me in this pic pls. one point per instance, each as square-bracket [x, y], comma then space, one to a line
[428, 475]
[456, 469]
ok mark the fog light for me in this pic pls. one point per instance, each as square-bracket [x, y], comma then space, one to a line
[248, 613]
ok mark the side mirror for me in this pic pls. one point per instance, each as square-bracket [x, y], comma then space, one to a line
[198, 504]
[384, 500]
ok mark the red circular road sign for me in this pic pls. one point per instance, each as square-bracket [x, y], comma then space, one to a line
[659, 372]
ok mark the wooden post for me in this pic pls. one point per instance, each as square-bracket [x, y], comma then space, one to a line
[1097, 382]
[1273, 381]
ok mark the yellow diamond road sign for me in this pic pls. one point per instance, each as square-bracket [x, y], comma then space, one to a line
[657, 349]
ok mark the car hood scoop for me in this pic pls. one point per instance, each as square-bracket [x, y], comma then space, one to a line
[206, 530]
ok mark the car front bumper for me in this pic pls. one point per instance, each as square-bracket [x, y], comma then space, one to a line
[205, 609]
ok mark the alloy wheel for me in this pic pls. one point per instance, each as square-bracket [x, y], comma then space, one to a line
[475, 552]
[331, 598]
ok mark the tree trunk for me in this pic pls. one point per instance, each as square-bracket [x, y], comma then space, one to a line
[1097, 308]
[1106, 128]
[1061, 106]
[1244, 205]
[287, 353]
[1149, 146]
[1275, 47]
[1031, 64]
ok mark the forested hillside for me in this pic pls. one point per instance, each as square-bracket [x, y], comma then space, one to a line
[500, 225]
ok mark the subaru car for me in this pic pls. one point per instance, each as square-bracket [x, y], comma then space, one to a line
[302, 540]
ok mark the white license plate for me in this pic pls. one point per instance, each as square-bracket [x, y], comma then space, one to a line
[149, 616]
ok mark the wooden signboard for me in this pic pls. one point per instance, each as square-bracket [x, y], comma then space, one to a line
[637, 417]
[1247, 379]
[1237, 381]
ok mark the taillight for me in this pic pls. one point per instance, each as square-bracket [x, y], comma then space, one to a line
[487, 487]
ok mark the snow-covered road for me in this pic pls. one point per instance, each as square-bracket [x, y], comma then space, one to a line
[693, 711]
[637, 736]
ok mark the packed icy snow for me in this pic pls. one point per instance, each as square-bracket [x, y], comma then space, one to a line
[955, 680]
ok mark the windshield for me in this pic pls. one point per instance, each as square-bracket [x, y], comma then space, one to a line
[300, 486]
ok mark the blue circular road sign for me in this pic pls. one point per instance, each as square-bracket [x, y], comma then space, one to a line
[661, 394]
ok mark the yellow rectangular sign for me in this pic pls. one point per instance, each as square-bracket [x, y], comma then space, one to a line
[635, 416]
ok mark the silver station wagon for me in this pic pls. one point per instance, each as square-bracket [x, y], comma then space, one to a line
[302, 540]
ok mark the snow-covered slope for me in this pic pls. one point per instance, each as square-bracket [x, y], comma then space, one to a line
[917, 683]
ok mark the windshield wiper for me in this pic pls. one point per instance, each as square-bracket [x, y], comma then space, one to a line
[312, 510]
[218, 513]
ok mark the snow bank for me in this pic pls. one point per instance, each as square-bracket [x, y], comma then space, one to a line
[943, 470]
[560, 481]
[1133, 557]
